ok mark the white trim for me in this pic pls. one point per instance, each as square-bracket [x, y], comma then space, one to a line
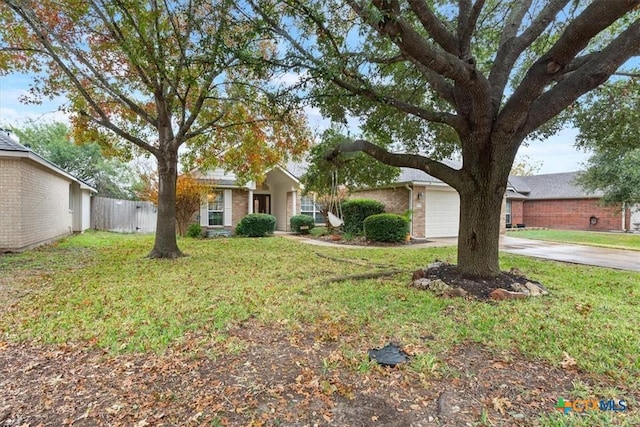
[250, 204]
[204, 213]
[228, 208]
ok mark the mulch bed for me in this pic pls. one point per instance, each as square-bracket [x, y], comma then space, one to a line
[478, 287]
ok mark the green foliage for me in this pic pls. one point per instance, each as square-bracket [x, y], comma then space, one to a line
[256, 225]
[302, 224]
[616, 172]
[194, 231]
[386, 227]
[82, 159]
[614, 136]
[524, 166]
[354, 169]
[608, 117]
[355, 211]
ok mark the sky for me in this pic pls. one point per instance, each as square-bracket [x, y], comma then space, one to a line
[556, 154]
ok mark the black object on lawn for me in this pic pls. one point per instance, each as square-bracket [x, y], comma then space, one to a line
[389, 355]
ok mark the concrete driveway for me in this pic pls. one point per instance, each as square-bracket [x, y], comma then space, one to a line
[578, 254]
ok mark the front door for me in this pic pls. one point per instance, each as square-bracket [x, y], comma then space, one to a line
[262, 203]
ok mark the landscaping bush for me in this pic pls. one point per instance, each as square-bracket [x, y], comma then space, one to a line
[356, 210]
[301, 224]
[194, 231]
[256, 225]
[386, 228]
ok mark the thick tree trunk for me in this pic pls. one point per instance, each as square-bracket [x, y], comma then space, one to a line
[479, 234]
[166, 245]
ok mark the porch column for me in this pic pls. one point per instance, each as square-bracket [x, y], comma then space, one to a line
[250, 204]
[294, 203]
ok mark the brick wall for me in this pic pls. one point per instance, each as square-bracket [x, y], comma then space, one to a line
[573, 214]
[517, 212]
[419, 220]
[240, 206]
[10, 214]
[35, 204]
[396, 200]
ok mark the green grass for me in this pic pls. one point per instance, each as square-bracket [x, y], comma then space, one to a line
[99, 288]
[593, 238]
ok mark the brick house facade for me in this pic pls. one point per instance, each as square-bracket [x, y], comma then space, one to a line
[229, 201]
[434, 207]
[556, 201]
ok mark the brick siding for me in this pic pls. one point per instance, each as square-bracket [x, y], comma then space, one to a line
[35, 205]
[572, 214]
[396, 200]
[517, 212]
[239, 206]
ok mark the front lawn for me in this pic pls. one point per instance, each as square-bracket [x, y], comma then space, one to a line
[232, 297]
[593, 238]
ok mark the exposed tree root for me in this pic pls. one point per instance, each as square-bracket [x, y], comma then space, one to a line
[351, 261]
[363, 276]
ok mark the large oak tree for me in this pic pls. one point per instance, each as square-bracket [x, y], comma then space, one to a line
[474, 78]
[152, 76]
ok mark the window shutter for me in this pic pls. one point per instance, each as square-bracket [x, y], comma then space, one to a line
[228, 203]
[204, 214]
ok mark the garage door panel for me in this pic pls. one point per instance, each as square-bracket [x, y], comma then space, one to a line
[442, 213]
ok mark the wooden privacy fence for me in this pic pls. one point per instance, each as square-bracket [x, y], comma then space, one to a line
[123, 216]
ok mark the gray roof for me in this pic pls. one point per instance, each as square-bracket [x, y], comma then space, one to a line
[519, 184]
[9, 144]
[551, 186]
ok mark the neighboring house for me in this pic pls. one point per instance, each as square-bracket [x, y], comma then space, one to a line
[434, 206]
[39, 202]
[228, 201]
[556, 201]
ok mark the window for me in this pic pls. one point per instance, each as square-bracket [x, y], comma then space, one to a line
[215, 208]
[308, 207]
[508, 212]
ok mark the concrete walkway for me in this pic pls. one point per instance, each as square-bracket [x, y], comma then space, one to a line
[578, 254]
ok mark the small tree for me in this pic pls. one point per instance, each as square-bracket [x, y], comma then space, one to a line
[614, 136]
[189, 196]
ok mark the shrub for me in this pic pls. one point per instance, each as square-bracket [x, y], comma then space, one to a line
[194, 231]
[256, 225]
[356, 210]
[301, 224]
[386, 228]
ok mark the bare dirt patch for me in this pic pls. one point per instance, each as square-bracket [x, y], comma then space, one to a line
[268, 376]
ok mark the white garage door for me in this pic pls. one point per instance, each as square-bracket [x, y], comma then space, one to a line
[442, 213]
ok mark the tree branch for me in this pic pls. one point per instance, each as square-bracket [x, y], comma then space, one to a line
[412, 44]
[595, 18]
[439, 170]
[434, 26]
[511, 47]
[467, 21]
[595, 71]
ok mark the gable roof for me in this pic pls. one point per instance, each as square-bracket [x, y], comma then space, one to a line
[13, 148]
[550, 186]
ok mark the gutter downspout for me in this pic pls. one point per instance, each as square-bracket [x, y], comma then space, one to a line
[408, 187]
